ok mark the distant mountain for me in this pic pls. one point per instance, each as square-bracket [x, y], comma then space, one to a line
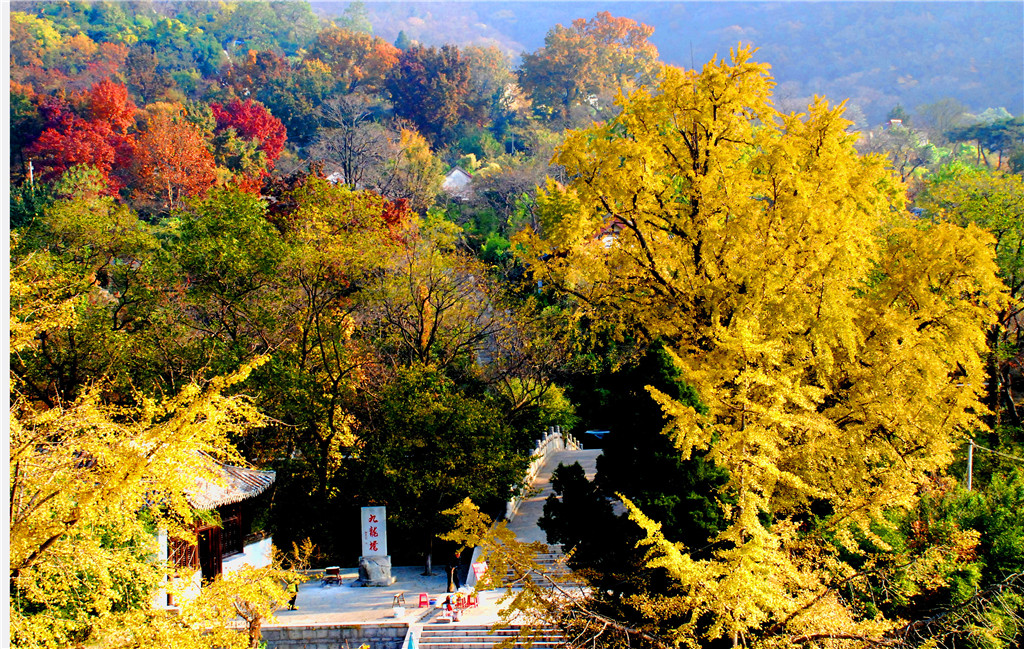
[877, 54]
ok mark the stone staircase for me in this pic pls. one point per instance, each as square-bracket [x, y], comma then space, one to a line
[481, 636]
[550, 563]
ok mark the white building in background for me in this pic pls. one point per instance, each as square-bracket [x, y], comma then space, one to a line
[457, 183]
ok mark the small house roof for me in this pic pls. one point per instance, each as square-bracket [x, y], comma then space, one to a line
[235, 484]
[457, 181]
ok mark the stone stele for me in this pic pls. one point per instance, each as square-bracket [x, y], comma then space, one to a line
[374, 571]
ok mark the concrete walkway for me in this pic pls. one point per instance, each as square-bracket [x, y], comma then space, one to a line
[524, 523]
[347, 604]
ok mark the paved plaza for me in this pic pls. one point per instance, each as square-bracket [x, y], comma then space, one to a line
[346, 604]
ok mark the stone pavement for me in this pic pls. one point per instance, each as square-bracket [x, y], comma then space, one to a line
[347, 604]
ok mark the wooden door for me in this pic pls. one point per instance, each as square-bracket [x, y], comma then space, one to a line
[210, 552]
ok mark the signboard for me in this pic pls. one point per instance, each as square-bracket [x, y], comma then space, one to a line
[375, 531]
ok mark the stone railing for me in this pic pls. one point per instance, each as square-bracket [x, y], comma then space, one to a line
[335, 636]
[554, 440]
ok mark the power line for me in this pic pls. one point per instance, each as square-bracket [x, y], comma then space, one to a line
[970, 459]
[1006, 455]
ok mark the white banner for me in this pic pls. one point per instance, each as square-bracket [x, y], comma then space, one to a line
[375, 531]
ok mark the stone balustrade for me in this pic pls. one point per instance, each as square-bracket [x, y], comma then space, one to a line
[333, 636]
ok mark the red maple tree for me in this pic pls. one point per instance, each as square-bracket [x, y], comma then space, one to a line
[252, 120]
[76, 141]
[109, 102]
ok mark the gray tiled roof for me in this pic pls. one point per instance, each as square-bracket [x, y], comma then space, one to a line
[234, 484]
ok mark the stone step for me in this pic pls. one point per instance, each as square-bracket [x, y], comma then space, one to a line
[519, 644]
[471, 639]
[547, 637]
[474, 636]
[549, 567]
[481, 637]
[457, 628]
[536, 574]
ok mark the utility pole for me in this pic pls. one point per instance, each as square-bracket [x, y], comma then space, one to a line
[970, 462]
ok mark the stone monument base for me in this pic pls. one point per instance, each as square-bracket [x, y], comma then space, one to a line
[374, 571]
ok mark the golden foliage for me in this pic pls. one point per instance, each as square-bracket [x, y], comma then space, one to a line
[837, 347]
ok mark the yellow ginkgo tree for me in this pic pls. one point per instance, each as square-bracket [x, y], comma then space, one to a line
[838, 345]
[92, 479]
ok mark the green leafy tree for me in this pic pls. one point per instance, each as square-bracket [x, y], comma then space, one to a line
[356, 18]
[403, 42]
[581, 519]
[227, 254]
[459, 443]
[977, 598]
[900, 114]
[998, 131]
[642, 464]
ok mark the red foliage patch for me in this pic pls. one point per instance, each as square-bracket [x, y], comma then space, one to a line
[109, 102]
[253, 121]
[77, 141]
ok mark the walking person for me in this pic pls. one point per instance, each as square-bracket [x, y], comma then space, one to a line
[454, 579]
[457, 573]
[293, 592]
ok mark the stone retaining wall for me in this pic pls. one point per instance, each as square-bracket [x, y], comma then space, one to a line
[336, 636]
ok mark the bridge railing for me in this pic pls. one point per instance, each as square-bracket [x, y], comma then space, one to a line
[554, 440]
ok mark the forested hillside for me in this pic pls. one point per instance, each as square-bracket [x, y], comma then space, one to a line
[382, 266]
[877, 54]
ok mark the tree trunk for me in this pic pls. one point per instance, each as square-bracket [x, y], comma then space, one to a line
[428, 569]
[255, 633]
[994, 392]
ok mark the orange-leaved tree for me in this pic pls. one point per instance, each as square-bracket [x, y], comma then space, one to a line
[171, 160]
[597, 56]
[357, 59]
